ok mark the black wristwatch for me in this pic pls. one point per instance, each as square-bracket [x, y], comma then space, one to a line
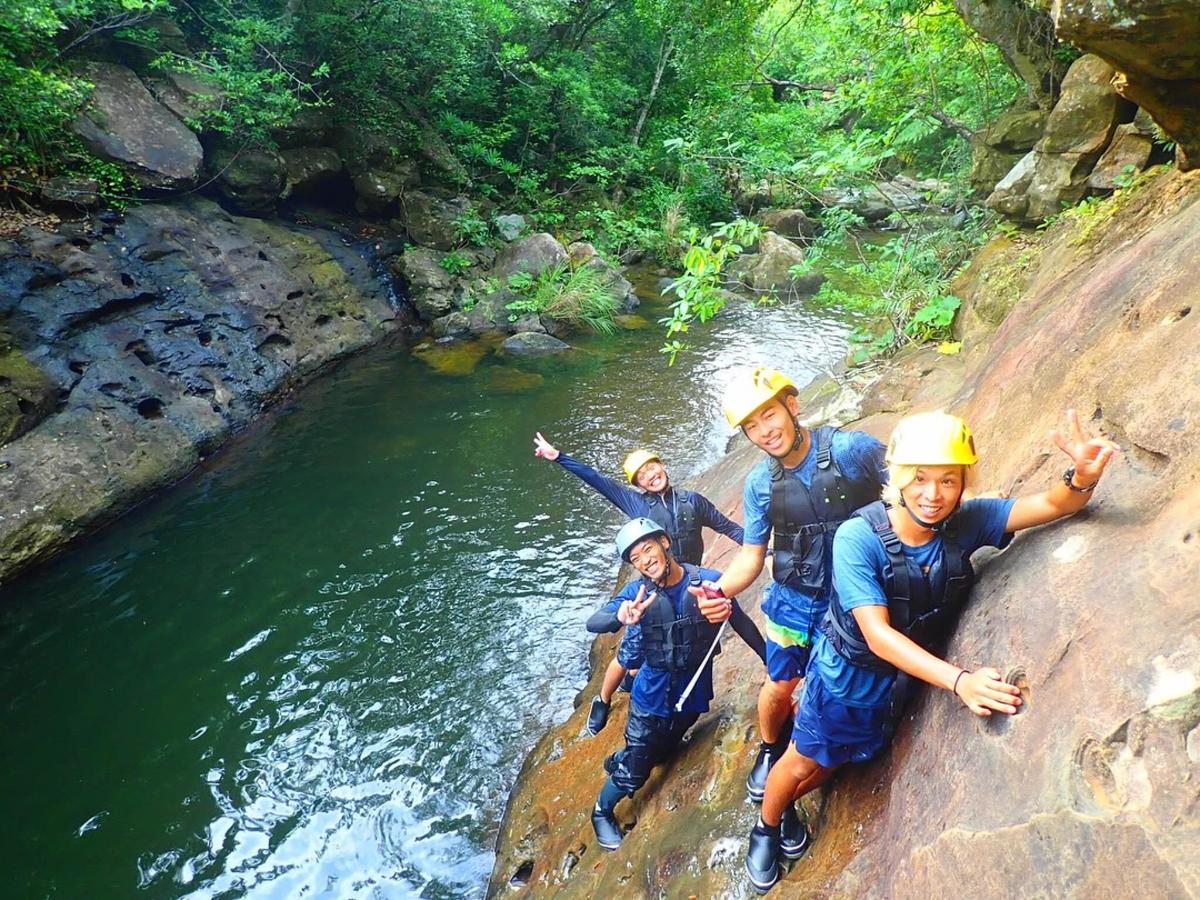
[1068, 480]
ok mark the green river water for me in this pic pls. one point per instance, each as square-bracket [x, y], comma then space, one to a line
[313, 669]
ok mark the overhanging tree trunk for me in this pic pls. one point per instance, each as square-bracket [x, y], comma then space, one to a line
[1025, 36]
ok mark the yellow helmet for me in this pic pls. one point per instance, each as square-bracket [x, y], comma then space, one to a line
[636, 460]
[752, 388]
[932, 439]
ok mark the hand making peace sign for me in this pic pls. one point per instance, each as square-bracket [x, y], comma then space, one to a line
[630, 612]
[1090, 456]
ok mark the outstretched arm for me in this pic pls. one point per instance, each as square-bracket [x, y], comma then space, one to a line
[717, 520]
[743, 569]
[983, 691]
[619, 495]
[621, 610]
[1089, 457]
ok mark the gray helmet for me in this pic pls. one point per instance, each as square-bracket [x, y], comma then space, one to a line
[634, 531]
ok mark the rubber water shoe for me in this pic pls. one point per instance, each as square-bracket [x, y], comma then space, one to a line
[608, 830]
[756, 781]
[597, 716]
[793, 839]
[762, 858]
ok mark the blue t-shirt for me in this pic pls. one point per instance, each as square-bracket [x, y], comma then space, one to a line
[857, 455]
[859, 561]
[657, 690]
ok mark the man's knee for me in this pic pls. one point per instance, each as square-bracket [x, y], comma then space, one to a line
[632, 770]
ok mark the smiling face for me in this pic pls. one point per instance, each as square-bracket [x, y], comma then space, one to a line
[652, 477]
[650, 557]
[772, 427]
[934, 492]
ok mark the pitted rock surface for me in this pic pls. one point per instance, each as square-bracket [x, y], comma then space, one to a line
[155, 337]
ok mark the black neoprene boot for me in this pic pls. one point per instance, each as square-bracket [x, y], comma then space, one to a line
[597, 716]
[794, 839]
[626, 684]
[604, 822]
[756, 781]
[762, 857]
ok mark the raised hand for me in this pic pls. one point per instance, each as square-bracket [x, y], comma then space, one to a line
[543, 448]
[984, 692]
[1090, 456]
[630, 612]
[713, 605]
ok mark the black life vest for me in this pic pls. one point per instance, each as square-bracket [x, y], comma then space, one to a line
[681, 521]
[676, 644]
[913, 610]
[803, 521]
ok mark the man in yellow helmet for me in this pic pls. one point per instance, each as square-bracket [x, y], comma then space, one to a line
[810, 482]
[902, 572]
[648, 493]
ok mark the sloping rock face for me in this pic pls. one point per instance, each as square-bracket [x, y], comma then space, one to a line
[156, 337]
[1156, 45]
[1092, 790]
[125, 124]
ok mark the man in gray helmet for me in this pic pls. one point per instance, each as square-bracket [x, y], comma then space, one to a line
[680, 623]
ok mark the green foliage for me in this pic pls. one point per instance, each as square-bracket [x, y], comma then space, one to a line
[455, 262]
[901, 284]
[697, 290]
[577, 296]
[471, 228]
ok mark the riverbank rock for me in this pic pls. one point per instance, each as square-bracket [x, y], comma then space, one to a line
[433, 221]
[770, 269]
[792, 224]
[533, 343]
[1091, 790]
[123, 123]
[309, 170]
[431, 288]
[1078, 130]
[1126, 156]
[1156, 47]
[155, 337]
[249, 179]
[509, 225]
[186, 95]
[1002, 144]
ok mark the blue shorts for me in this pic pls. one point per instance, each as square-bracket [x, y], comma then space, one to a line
[786, 663]
[832, 732]
[630, 654]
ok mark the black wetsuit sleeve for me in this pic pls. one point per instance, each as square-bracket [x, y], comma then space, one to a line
[748, 632]
[624, 498]
[604, 620]
[717, 520]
